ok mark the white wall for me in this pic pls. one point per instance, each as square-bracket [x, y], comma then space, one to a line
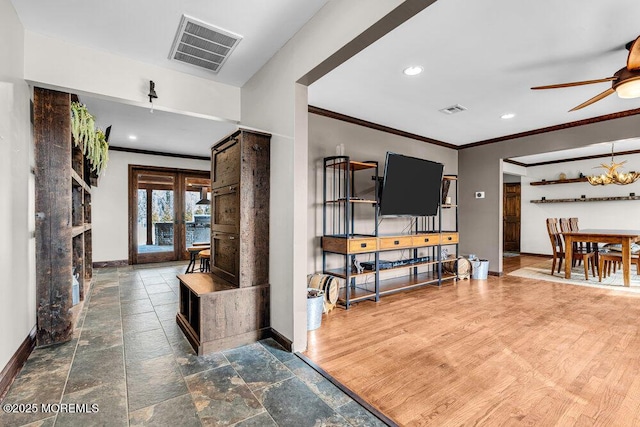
[480, 169]
[610, 214]
[61, 65]
[361, 144]
[514, 170]
[274, 102]
[17, 247]
[110, 203]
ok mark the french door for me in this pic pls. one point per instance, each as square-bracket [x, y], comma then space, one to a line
[169, 210]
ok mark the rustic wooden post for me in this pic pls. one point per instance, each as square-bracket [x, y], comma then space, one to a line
[52, 134]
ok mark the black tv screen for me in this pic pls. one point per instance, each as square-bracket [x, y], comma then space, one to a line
[411, 186]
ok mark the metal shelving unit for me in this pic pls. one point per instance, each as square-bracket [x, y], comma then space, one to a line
[338, 217]
[341, 238]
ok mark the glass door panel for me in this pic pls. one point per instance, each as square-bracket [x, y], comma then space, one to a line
[156, 217]
[169, 211]
[197, 211]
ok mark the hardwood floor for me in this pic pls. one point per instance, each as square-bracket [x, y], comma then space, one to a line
[502, 351]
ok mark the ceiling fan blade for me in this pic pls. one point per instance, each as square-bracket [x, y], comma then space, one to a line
[633, 60]
[584, 82]
[596, 98]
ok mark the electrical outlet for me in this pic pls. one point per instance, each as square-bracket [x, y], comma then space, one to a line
[479, 194]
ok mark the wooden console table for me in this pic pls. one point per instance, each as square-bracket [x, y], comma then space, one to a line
[363, 244]
[624, 237]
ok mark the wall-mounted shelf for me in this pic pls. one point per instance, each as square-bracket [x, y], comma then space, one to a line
[560, 181]
[587, 199]
[353, 165]
[79, 181]
[351, 200]
[75, 231]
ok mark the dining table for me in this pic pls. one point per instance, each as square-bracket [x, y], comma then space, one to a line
[623, 237]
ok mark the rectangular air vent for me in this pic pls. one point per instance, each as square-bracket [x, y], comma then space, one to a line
[202, 45]
[453, 109]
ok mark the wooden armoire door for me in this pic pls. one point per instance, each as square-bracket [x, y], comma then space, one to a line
[511, 217]
[240, 208]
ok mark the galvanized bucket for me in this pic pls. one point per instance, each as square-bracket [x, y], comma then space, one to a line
[315, 305]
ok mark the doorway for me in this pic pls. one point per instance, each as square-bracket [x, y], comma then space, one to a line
[511, 217]
[169, 210]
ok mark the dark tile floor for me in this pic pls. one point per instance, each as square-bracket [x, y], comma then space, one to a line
[131, 362]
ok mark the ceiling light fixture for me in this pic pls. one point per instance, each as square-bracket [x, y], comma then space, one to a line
[629, 88]
[507, 116]
[612, 176]
[133, 137]
[413, 71]
[152, 93]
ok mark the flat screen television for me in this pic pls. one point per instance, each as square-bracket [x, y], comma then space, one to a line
[411, 186]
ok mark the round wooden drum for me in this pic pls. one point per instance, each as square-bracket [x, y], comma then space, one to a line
[464, 268]
[329, 284]
[460, 266]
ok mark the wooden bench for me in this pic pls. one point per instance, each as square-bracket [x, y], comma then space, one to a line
[209, 316]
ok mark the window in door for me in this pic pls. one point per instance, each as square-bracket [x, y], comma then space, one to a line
[168, 212]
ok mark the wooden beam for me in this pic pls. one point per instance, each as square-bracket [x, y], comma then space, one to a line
[52, 139]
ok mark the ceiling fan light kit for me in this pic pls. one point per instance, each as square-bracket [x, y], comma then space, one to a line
[629, 88]
[625, 82]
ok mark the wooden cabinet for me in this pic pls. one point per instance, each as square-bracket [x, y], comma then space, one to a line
[63, 218]
[225, 162]
[225, 206]
[240, 208]
[225, 256]
[230, 306]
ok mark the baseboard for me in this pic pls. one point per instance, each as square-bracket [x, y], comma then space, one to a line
[495, 273]
[11, 371]
[382, 417]
[107, 264]
[538, 255]
[282, 340]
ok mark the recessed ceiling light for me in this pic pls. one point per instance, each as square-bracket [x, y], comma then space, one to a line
[133, 137]
[413, 71]
[507, 116]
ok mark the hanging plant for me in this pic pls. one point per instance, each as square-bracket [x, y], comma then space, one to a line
[91, 141]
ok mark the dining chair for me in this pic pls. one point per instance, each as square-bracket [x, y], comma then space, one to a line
[608, 261]
[571, 224]
[591, 246]
[557, 245]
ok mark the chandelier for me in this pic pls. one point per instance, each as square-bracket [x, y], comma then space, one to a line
[611, 174]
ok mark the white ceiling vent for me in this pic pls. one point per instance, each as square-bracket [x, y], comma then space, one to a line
[202, 45]
[453, 109]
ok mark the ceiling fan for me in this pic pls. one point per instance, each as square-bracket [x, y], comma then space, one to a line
[625, 81]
